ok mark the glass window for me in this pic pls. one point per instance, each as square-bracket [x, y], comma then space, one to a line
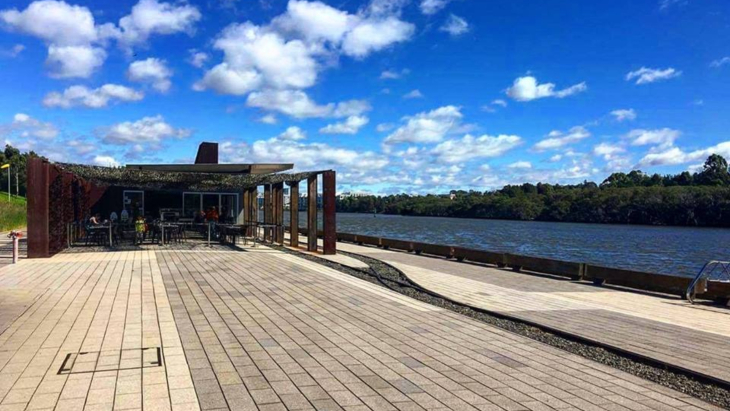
[228, 208]
[191, 204]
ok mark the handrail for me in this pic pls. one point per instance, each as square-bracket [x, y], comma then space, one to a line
[707, 270]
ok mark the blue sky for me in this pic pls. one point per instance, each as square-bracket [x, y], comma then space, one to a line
[397, 95]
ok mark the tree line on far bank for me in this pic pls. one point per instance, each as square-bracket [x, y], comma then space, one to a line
[685, 199]
[17, 161]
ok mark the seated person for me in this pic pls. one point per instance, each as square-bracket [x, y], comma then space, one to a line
[113, 217]
[199, 217]
[212, 215]
[95, 219]
[125, 215]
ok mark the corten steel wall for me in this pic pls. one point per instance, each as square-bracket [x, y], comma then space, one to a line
[55, 199]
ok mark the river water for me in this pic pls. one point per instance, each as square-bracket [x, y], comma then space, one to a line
[667, 250]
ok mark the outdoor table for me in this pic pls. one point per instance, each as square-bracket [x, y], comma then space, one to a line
[162, 231]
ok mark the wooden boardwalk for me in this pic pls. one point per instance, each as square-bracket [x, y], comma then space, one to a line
[694, 337]
[263, 330]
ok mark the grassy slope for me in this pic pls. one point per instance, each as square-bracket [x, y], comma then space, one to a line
[12, 214]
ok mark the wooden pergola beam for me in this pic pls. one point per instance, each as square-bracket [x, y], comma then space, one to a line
[329, 188]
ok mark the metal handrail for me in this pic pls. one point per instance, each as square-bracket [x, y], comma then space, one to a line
[707, 270]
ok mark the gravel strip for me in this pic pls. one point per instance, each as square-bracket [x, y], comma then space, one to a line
[386, 275]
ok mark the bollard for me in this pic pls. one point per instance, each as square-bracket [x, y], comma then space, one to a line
[15, 236]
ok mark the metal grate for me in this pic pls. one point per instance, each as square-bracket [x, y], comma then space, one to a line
[117, 360]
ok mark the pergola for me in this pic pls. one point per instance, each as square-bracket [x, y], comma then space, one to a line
[61, 193]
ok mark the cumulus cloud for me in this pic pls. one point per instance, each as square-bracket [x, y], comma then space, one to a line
[288, 54]
[150, 17]
[646, 75]
[469, 147]
[351, 125]
[427, 127]
[105, 161]
[674, 155]
[197, 58]
[27, 127]
[76, 43]
[527, 89]
[431, 7]
[607, 150]
[661, 137]
[556, 139]
[624, 114]
[82, 96]
[455, 26]
[296, 103]
[148, 130]
[292, 134]
[303, 154]
[269, 119]
[413, 94]
[151, 71]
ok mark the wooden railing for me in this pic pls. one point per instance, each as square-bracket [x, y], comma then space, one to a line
[661, 283]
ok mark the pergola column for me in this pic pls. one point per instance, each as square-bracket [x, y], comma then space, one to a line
[294, 213]
[278, 212]
[329, 212]
[38, 208]
[312, 213]
[268, 218]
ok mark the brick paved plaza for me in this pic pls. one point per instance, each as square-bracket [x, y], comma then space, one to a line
[260, 329]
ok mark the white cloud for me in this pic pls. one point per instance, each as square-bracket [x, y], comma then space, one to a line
[455, 25]
[499, 102]
[527, 89]
[76, 96]
[76, 43]
[520, 165]
[27, 127]
[74, 61]
[351, 125]
[197, 58]
[292, 134]
[304, 155]
[151, 71]
[666, 4]
[675, 155]
[148, 130]
[556, 139]
[13, 51]
[624, 114]
[150, 17]
[431, 7]
[393, 75]
[607, 150]
[384, 127]
[289, 53]
[269, 119]
[664, 137]
[376, 34]
[105, 161]
[469, 147]
[297, 104]
[413, 94]
[720, 62]
[427, 127]
[646, 75]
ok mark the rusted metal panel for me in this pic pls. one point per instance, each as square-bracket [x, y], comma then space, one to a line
[37, 212]
[329, 187]
[207, 153]
[294, 214]
[350, 238]
[312, 213]
[396, 244]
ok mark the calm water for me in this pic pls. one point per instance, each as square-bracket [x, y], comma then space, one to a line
[668, 250]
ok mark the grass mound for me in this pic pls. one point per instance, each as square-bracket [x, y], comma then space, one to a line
[12, 213]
